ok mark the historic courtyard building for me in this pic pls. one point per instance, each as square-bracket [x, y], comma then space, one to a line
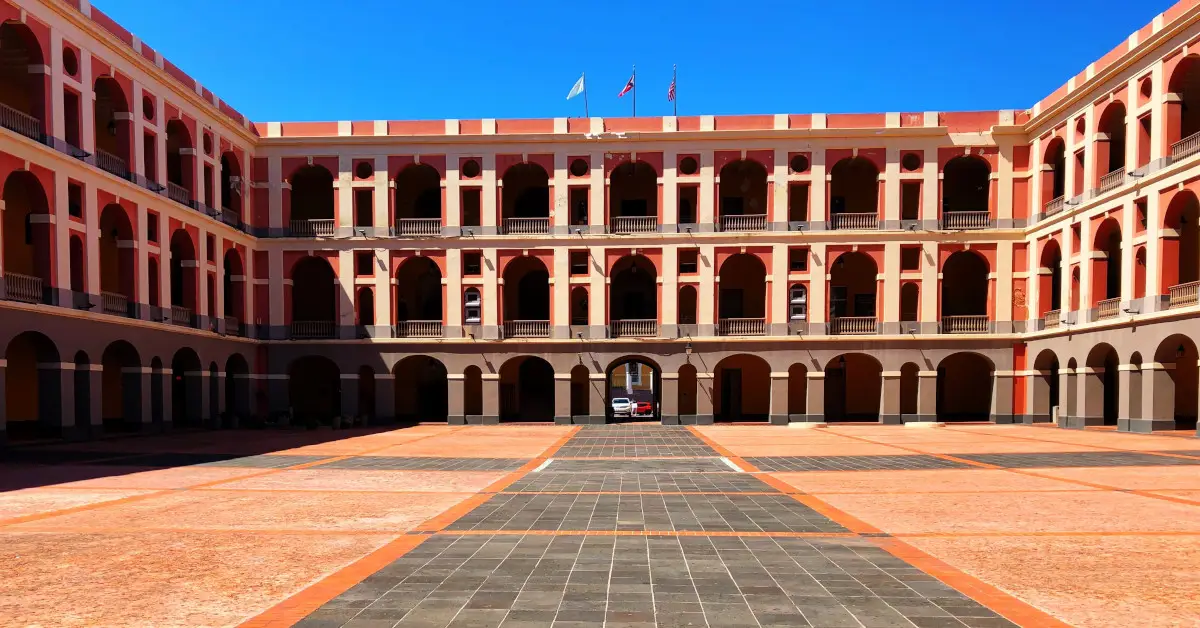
[168, 262]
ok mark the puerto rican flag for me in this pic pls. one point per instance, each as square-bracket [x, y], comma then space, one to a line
[628, 86]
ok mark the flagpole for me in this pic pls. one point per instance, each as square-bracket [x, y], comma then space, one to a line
[583, 76]
[675, 85]
[634, 79]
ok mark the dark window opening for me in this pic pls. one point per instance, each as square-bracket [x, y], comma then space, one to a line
[472, 264]
[910, 201]
[579, 262]
[364, 210]
[71, 118]
[798, 260]
[149, 159]
[579, 206]
[798, 202]
[687, 204]
[152, 227]
[364, 263]
[910, 258]
[75, 200]
[471, 208]
[689, 261]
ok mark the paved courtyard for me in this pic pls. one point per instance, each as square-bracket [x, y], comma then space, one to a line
[523, 526]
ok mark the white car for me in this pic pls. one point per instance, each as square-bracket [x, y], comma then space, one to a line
[621, 406]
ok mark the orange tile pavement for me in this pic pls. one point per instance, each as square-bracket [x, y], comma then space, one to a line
[200, 546]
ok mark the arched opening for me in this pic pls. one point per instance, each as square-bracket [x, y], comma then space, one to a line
[112, 121]
[964, 387]
[966, 187]
[633, 297]
[1100, 386]
[797, 399]
[580, 399]
[525, 199]
[687, 305]
[183, 273]
[157, 407]
[743, 190]
[526, 297]
[1045, 386]
[853, 189]
[22, 82]
[418, 298]
[742, 292]
[418, 198]
[1106, 264]
[1181, 244]
[117, 276]
[1054, 175]
[27, 239]
[526, 390]
[32, 388]
[311, 207]
[314, 303]
[1183, 112]
[910, 302]
[742, 389]
[909, 389]
[853, 385]
[473, 391]
[852, 289]
[231, 185]
[1050, 278]
[314, 390]
[186, 378]
[366, 394]
[633, 389]
[421, 390]
[1175, 389]
[237, 390]
[1132, 407]
[366, 308]
[965, 288]
[687, 390]
[232, 287]
[181, 163]
[1110, 144]
[82, 387]
[121, 388]
[632, 193]
[579, 306]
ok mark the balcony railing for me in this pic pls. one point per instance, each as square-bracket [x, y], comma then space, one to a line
[965, 324]
[1054, 206]
[114, 303]
[181, 315]
[853, 325]
[320, 228]
[959, 221]
[1183, 295]
[231, 217]
[634, 328]
[1108, 308]
[22, 123]
[111, 163]
[179, 194]
[418, 226]
[22, 288]
[1189, 145]
[752, 222]
[526, 226]
[854, 221]
[233, 326]
[1111, 181]
[418, 329]
[633, 224]
[527, 329]
[742, 327]
[1052, 319]
[311, 330]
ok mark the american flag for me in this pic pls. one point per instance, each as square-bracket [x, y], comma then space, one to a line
[671, 91]
[628, 87]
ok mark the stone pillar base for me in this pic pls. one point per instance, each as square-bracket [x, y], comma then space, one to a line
[456, 419]
[562, 420]
[483, 419]
[918, 418]
[593, 419]
[1145, 426]
[797, 418]
[670, 419]
[695, 419]
[890, 419]
[1030, 419]
[780, 419]
[1003, 419]
[1080, 422]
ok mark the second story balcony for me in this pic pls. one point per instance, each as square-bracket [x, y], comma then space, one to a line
[966, 324]
[753, 222]
[419, 227]
[635, 328]
[624, 225]
[311, 330]
[114, 303]
[741, 327]
[1183, 295]
[320, 228]
[22, 123]
[1186, 147]
[418, 329]
[526, 329]
[111, 163]
[965, 221]
[23, 288]
[846, 221]
[853, 325]
[526, 226]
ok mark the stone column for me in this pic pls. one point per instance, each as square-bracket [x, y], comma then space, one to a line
[3, 406]
[927, 396]
[146, 376]
[385, 398]
[597, 398]
[669, 410]
[704, 399]
[277, 396]
[779, 398]
[815, 397]
[168, 404]
[350, 407]
[1091, 397]
[801, 417]
[491, 399]
[889, 405]
[1002, 397]
[93, 424]
[1158, 399]
[131, 390]
[562, 398]
[456, 390]
[1128, 395]
[208, 414]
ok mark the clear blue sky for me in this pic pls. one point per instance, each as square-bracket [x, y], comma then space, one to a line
[405, 59]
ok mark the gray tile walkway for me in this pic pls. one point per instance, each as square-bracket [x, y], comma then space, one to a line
[550, 482]
[639, 465]
[1078, 459]
[390, 463]
[853, 463]
[634, 451]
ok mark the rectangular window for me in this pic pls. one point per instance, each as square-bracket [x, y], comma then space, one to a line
[208, 186]
[687, 204]
[798, 260]
[633, 371]
[364, 263]
[151, 226]
[798, 303]
[579, 206]
[910, 258]
[364, 208]
[472, 264]
[1076, 236]
[1145, 125]
[688, 261]
[471, 207]
[798, 202]
[211, 244]
[837, 301]
[579, 262]
[910, 201]
[71, 117]
[149, 160]
[472, 307]
[1078, 183]
[75, 200]
[1140, 207]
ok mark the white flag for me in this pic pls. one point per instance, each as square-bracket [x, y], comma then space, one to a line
[577, 89]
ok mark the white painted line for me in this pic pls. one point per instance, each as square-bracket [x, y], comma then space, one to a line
[543, 465]
[729, 462]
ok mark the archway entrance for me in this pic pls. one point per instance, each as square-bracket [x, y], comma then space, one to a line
[1100, 387]
[237, 390]
[526, 390]
[121, 388]
[314, 390]
[185, 388]
[1045, 386]
[964, 388]
[1175, 389]
[31, 392]
[633, 386]
[853, 384]
[742, 389]
[421, 390]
